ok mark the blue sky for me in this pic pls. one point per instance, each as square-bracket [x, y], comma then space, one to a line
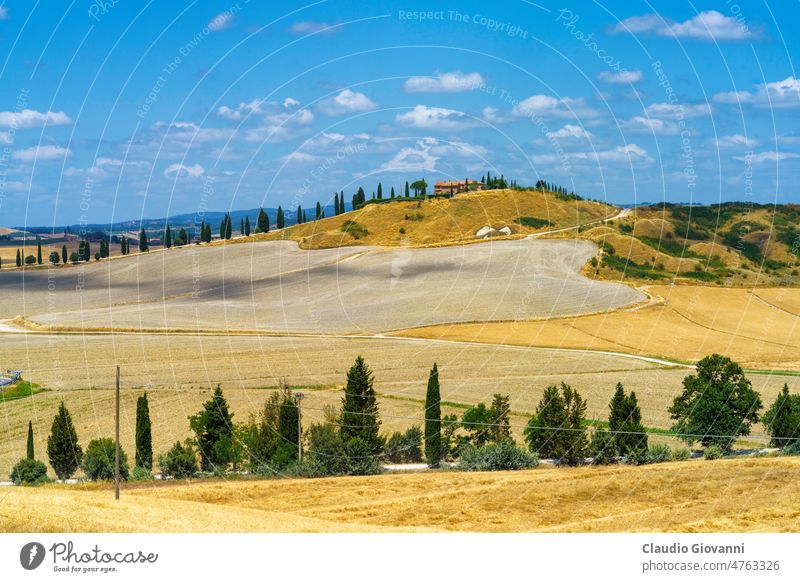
[115, 111]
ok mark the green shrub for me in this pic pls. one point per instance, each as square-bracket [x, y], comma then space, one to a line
[659, 453]
[603, 448]
[98, 461]
[284, 456]
[505, 456]
[638, 457]
[326, 450]
[356, 230]
[361, 459]
[29, 472]
[533, 222]
[681, 454]
[405, 447]
[791, 449]
[713, 452]
[141, 474]
[180, 462]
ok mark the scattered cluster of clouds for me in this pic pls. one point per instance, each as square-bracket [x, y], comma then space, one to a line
[221, 21]
[709, 25]
[547, 106]
[780, 94]
[425, 117]
[193, 171]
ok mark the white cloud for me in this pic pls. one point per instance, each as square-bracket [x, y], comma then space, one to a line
[346, 102]
[733, 141]
[709, 25]
[444, 83]
[298, 157]
[492, 115]
[289, 103]
[771, 156]
[426, 117]
[241, 111]
[5, 138]
[546, 106]
[310, 27]
[186, 131]
[678, 110]
[41, 153]
[780, 94]
[32, 118]
[221, 21]
[194, 171]
[569, 131]
[627, 153]
[641, 124]
[417, 158]
[3, 13]
[621, 78]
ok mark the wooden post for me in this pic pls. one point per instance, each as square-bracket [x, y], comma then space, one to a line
[116, 452]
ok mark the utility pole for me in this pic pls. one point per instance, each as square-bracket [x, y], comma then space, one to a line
[116, 451]
[298, 397]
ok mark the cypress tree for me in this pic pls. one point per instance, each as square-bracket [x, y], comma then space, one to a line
[64, 255]
[63, 450]
[228, 227]
[209, 235]
[202, 232]
[38, 252]
[30, 440]
[392, 193]
[782, 420]
[319, 211]
[299, 215]
[213, 425]
[144, 439]
[262, 223]
[380, 191]
[280, 219]
[433, 420]
[168, 238]
[247, 226]
[360, 418]
[19, 258]
[183, 237]
[342, 209]
[305, 219]
[241, 226]
[144, 245]
[408, 192]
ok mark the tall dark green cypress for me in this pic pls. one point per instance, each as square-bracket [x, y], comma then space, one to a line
[247, 226]
[168, 238]
[19, 258]
[433, 420]
[38, 252]
[30, 441]
[408, 192]
[360, 418]
[280, 220]
[299, 215]
[319, 211]
[392, 193]
[64, 255]
[63, 450]
[144, 245]
[336, 204]
[380, 191]
[262, 222]
[144, 438]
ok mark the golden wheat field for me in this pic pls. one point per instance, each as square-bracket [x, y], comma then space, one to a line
[743, 495]
[179, 373]
[759, 328]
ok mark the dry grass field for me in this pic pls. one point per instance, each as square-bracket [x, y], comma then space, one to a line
[276, 286]
[760, 328]
[179, 373]
[743, 495]
[446, 220]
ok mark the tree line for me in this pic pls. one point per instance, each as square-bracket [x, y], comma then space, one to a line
[716, 406]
